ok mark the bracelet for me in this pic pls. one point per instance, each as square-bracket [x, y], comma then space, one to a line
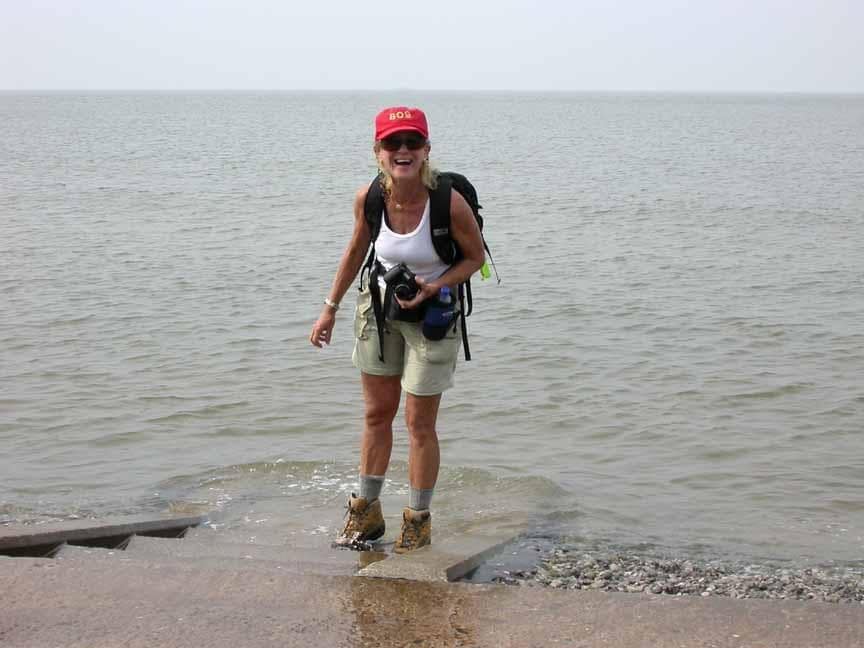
[331, 304]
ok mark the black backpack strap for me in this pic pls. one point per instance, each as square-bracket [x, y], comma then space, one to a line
[373, 210]
[462, 316]
[373, 207]
[439, 216]
[470, 299]
[367, 267]
[377, 307]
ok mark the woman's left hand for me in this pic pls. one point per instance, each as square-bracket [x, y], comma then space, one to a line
[426, 291]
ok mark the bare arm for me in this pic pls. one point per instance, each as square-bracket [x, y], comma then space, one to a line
[466, 233]
[349, 266]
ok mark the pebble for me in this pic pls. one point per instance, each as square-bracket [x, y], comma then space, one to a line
[614, 571]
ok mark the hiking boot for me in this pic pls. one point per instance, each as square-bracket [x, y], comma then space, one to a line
[365, 523]
[416, 531]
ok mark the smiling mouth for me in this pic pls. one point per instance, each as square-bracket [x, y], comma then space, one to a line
[402, 162]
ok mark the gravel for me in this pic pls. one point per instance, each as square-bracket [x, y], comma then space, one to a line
[614, 571]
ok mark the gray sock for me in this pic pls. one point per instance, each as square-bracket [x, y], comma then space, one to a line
[419, 499]
[370, 486]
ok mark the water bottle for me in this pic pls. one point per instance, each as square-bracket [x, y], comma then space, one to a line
[439, 315]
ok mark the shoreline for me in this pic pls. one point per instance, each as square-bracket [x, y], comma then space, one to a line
[575, 566]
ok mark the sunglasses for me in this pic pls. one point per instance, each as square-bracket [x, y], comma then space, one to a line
[412, 141]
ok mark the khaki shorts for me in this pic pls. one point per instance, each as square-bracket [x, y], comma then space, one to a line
[426, 366]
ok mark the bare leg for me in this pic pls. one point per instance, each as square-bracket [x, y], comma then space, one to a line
[421, 413]
[381, 395]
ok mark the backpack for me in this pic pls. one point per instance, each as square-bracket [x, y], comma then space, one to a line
[445, 246]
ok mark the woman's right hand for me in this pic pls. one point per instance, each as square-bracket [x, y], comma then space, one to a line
[348, 268]
[323, 328]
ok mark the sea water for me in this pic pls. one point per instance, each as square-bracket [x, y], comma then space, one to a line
[674, 355]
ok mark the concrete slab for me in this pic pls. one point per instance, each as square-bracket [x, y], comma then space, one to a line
[303, 560]
[140, 605]
[444, 561]
[281, 560]
[79, 553]
[22, 539]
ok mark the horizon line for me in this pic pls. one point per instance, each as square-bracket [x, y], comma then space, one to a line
[437, 90]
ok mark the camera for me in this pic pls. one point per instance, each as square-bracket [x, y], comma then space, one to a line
[402, 280]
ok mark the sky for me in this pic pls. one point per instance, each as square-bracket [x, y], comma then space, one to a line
[522, 45]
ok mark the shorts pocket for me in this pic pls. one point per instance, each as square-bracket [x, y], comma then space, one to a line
[363, 316]
[442, 351]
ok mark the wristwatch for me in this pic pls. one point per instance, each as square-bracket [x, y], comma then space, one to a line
[331, 304]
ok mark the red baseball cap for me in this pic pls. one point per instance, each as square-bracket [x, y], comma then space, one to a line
[400, 118]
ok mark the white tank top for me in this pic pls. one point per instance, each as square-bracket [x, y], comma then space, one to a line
[414, 249]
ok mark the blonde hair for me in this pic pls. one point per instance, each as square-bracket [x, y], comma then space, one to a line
[428, 174]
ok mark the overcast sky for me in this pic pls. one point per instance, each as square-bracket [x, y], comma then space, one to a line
[701, 45]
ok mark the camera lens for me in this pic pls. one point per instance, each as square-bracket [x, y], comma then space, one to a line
[403, 291]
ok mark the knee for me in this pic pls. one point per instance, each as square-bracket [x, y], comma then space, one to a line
[379, 417]
[420, 429]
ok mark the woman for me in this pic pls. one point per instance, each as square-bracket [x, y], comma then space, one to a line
[401, 359]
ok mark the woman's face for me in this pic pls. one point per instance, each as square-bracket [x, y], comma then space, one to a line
[402, 154]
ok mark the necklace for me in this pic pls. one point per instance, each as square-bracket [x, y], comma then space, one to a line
[401, 205]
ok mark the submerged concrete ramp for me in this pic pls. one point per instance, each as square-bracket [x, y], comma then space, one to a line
[43, 540]
[260, 558]
[171, 539]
